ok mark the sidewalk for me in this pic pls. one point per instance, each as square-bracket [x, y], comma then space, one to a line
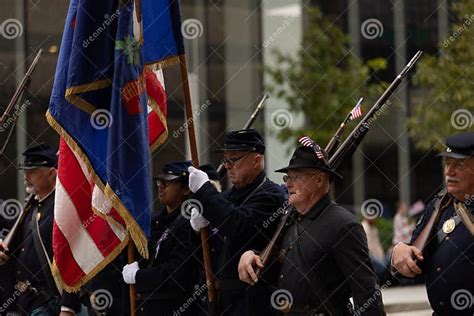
[406, 300]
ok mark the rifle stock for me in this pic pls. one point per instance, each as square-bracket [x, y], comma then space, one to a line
[12, 233]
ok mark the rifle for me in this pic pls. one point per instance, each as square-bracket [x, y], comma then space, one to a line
[12, 233]
[251, 120]
[336, 139]
[357, 135]
[343, 153]
[18, 93]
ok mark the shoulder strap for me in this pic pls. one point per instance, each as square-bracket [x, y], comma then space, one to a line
[42, 253]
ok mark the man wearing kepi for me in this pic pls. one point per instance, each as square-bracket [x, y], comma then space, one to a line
[323, 253]
[165, 282]
[240, 214]
[447, 261]
[31, 250]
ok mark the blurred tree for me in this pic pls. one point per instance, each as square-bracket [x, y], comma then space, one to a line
[447, 105]
[323, 81]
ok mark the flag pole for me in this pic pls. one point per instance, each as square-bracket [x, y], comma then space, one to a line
[211, 296]
[131, 259]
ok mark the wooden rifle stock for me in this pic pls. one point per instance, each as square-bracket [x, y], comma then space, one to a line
[268, 250]
[251, 120]
[344, 152]
[12, 233]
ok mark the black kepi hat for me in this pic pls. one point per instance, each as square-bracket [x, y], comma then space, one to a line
[176, 170]
[41, 155]
[460, 146]
[243, 140]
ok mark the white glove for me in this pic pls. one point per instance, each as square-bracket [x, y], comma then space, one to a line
[129, 272]
[197, 178]
[197, 220]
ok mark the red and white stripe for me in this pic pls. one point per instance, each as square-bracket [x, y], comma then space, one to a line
[308, 142]
[82, 239]
[157, 107]
[87, 230]
[357, 110]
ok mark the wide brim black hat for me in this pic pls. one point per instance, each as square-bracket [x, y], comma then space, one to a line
[305, 157]
[243, 140]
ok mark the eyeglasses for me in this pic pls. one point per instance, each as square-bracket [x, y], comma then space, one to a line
[296, 177]
[233, 161]
[291, 178]
[164, 183]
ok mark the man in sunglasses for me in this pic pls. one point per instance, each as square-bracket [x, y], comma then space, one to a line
[323, 253]
[242, 216]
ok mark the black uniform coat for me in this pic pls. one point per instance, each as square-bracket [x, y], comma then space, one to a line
[246, 218]
[165, 283]
[28, 264]
[325, 261]
[449, 267]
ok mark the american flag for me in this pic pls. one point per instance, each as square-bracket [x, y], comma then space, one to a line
[308, 142]
[357, 110]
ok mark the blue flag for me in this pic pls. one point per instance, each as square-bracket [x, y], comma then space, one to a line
[99, 102]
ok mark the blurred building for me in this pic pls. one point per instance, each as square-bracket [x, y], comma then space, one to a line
[226, 62]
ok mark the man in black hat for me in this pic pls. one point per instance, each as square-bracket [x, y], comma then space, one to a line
[165, 283]
[31, 249]
[323, 252]
[240, 215]
[447, 261]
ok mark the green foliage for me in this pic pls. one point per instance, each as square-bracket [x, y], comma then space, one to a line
[447, 103]
[385, 228]
[323, 81]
